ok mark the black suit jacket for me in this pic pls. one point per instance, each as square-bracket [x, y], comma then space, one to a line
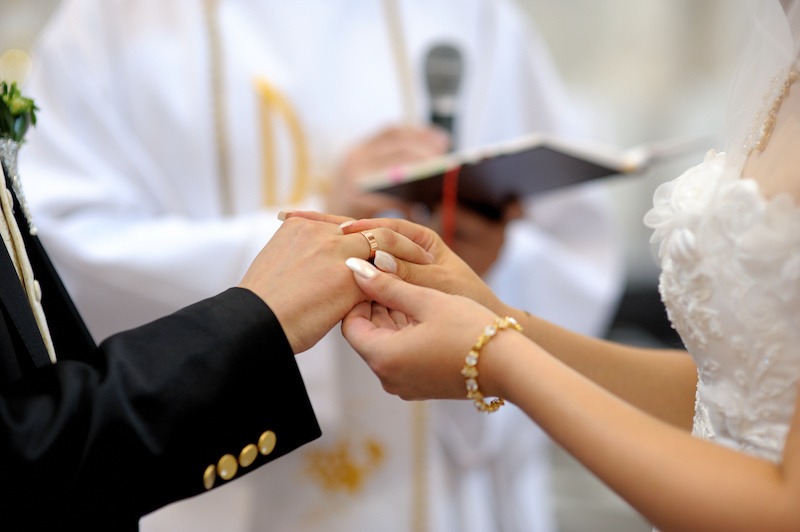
[110, 433]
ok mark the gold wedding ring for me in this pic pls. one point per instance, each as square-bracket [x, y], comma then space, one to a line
[373, 244]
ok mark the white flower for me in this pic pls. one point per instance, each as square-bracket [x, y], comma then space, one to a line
[680, 203]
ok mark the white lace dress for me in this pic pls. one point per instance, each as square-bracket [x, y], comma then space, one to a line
[730, 280]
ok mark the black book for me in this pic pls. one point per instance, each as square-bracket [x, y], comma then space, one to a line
[487, 178]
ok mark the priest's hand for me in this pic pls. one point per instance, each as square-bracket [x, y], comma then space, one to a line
[392, 146]
[477, 238]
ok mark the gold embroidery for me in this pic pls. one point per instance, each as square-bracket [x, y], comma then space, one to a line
[341, 469]
[419, 504]
[403, 68]
[218, 123]
[271, 101]
[405, 72]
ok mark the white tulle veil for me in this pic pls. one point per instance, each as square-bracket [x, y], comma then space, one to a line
[764, 117]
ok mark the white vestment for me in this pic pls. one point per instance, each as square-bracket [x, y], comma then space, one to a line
[141, 101]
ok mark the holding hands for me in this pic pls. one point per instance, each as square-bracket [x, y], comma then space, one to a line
[447, 273]
[301, 274]
[415, 334]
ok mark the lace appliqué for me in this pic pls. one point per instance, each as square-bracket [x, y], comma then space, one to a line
[731, 283]
[685, 283]
[701, 424]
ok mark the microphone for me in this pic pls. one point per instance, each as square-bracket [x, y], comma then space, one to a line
[443, 68]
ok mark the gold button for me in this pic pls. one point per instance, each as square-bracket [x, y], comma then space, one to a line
[227, 466]
[266, 443]
[248, 455]
[209, 477]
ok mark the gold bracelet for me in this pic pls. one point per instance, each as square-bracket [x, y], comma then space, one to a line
[470, 369]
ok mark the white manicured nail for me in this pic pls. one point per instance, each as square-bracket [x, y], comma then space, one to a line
[283, 215]
[361, 267]
[384, 261]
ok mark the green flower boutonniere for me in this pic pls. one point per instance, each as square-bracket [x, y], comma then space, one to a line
[17, 113]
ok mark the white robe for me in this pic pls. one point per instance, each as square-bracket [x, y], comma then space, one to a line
[121, 173]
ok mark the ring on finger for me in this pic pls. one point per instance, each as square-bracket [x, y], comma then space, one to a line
[373, 244]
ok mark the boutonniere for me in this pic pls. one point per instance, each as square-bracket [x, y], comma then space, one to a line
[17, 113]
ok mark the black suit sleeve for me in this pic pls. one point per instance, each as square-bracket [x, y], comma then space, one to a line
[136, 428]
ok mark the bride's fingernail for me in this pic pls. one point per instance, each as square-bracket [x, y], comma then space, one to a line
[361, 267]
[345, 225]
[384, 261]
[283, 215]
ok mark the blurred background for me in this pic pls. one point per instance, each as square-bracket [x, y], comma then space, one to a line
[644, 71]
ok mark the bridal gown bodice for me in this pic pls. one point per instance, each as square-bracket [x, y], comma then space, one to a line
[730, 280]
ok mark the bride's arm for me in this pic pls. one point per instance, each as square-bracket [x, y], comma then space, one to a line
[676, 481]
[661, 382]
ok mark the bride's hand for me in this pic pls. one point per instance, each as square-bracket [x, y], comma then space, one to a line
[415, 339]
[449, 273]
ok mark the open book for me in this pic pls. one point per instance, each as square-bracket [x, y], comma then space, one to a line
[487, 178]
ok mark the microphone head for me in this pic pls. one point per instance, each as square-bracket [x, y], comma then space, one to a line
[443, 68]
